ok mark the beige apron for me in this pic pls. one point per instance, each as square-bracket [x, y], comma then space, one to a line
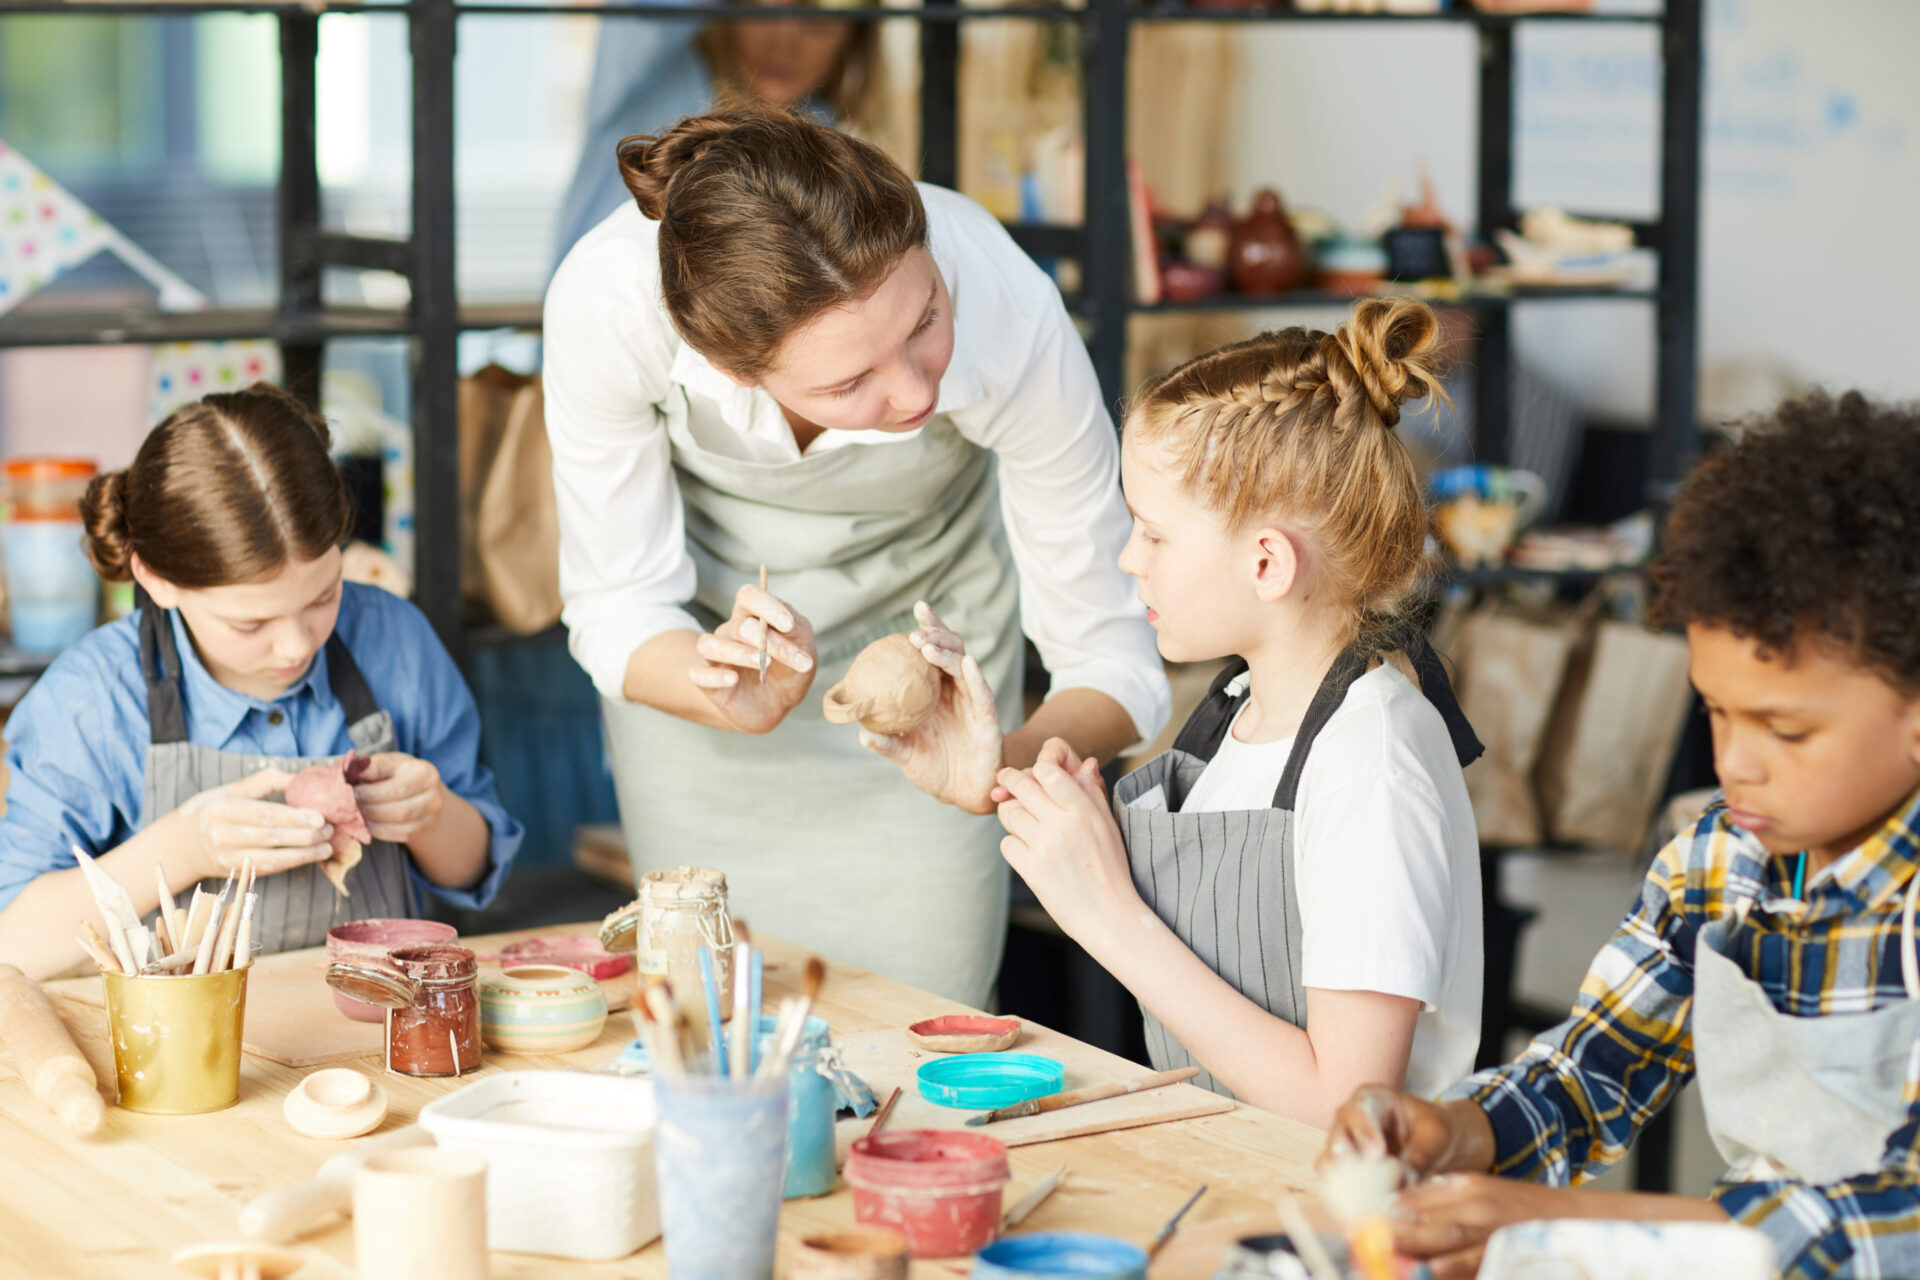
[823, 843]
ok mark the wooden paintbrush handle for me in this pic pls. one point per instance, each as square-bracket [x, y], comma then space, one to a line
[1098, 1092]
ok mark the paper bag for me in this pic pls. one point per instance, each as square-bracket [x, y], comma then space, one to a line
[517, 523]
[485, 400]
[1510, 668]
[1610, 748]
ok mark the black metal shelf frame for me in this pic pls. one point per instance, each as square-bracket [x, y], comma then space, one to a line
[434, 319]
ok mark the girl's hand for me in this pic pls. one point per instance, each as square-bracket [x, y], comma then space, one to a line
[954, 753]
[1429, 1138]
[399, 796]
[223, 827]
[1447, 1220]
[731, 676]
[1062, 840]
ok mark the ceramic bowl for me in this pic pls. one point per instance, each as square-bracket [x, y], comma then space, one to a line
[963, 1033]
[541, 1008]
[367, 942]
[336, 1103]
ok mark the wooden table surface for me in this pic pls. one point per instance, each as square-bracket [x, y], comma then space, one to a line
[118, 1204]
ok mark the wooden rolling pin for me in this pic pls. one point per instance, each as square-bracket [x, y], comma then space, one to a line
[46, 1056]
[286, 1212]
[1092, 1093]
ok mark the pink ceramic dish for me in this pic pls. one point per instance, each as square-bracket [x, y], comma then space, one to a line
[961, 1033]
[584, 954]
[368, 941]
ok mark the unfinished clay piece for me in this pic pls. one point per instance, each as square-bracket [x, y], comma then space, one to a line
[246, 1260]
[327, 789]
[890, 688]
[336, 1103]
[960, 1033]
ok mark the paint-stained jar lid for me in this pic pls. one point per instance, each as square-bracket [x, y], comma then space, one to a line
[374, 985]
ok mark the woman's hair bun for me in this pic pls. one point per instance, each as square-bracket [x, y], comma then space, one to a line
[103, 512]
[649, 162]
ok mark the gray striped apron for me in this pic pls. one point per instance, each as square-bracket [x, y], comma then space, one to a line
[1224, 881]
[297, 907]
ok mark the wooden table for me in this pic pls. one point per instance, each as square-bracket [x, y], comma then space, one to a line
[118, 1204]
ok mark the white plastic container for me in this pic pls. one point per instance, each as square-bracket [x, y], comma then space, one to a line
[1586, 1249]
[569, 1159]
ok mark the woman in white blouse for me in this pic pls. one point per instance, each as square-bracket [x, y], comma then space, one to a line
[787, 353]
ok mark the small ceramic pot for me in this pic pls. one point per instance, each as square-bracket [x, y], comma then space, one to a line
[336, 1103]
[1266, 256]
[541, 1008]
[367, 942]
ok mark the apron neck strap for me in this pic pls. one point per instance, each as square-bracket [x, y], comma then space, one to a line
[1439, 691]
[1206, 728]
[161, 667]
[1348, 667]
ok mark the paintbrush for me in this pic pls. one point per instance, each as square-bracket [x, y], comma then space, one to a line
[740, 1045]
[1159, 1241]
[710, 987]
[756, 1001]
[1306, 1241]
[886, 1109]
[766, 629]
[1035, 1198]
[1078, 1097]
[665, 1016]
[790, 1034]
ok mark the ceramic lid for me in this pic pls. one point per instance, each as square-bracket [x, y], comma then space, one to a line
[372, 984]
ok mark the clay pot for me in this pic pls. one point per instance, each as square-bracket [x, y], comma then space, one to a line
[541, 1008]
[1209, 237]
[890, 688]
[336, 1103]
[1187, 282]
[367, 942]
[1266, 256]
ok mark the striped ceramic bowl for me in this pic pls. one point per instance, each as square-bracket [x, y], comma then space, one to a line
[540, 1008]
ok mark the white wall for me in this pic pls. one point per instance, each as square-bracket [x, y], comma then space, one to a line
[1812, 177]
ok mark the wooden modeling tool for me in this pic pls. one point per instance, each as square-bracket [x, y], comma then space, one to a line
[90, 941]
[116, 909]
[766, 631]
[210, 937]
[196, 920]
[169, 917]
[1165, 1233]
[1079, 1097]
[45, 1055]
[243, 942]
[886, 1109]
[1024, 1207]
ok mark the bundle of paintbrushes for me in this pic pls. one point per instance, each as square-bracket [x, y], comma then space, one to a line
[677, 1045]
[214, 934]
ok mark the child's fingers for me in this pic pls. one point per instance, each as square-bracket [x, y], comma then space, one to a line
[1062, 788]
[267, 814]
[1020, 786]
[258, 786]
[1018, 820]
[228, 836]
[1060, 752]
[1088, 776]
[271, 862]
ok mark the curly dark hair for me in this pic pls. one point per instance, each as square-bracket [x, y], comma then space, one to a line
[1806, 529]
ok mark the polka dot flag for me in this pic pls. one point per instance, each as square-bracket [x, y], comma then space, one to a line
[43, 230]
[184, 371]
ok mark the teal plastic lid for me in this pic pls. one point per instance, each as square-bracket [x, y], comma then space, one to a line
[982, 1081]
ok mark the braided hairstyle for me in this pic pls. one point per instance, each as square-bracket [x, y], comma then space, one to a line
[1296, 427]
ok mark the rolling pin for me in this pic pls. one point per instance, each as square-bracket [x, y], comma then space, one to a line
[285, 1212]
[45, 1056]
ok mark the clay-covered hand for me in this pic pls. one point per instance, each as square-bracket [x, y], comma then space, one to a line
[400, 796]
[1446, 1220]
[222, 827]
[1428, 1137]
[1061, 839]
[731, 676]
[954, 753]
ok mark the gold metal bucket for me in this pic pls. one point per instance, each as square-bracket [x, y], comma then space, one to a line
[176, 1039]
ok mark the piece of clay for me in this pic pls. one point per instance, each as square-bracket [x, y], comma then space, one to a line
[890, 688]
[336, 1103]
[961, 1033]
[327, 789]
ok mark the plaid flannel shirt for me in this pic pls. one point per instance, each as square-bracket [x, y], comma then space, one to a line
[1569, 1106]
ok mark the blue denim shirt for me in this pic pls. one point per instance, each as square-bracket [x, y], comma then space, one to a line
[77, 743]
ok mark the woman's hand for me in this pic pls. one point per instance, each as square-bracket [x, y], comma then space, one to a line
[1446, 1221]
[1062, 840]
[1429, 1138]
[400, 796]
[954, 753]
[223, 827]
[731, 677]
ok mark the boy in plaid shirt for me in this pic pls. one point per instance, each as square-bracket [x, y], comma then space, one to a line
[1771, 953]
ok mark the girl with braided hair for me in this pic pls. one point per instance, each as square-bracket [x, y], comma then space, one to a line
[1292, 891]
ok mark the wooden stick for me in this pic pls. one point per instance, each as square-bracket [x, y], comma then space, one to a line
[1033, 1199]
[90, 942]
[243, 944]
[196, 920]
[203, 958]
[167, 921]
[886, 1109]
[115, 908]
[1077, 1097]
[766, 631]
[230, 927]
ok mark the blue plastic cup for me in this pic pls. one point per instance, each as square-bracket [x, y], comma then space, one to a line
[720, 1153]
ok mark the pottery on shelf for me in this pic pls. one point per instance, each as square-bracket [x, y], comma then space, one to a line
[1189, 282]
[541, 1008]
[890, 688]
[367, 942]
[1266, 256]
[336, 1103]
[962, 1033]
[1209, 237]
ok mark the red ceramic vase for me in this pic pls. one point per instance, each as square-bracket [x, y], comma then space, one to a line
[1266, 256]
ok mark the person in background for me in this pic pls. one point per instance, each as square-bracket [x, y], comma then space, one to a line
[1772, 954]
[159, 742]
[650, 72]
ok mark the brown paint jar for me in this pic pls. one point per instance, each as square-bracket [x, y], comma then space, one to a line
[432, 1007]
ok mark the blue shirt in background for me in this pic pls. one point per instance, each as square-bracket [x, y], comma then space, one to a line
[77, 743]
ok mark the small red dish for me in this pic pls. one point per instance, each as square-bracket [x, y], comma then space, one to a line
[963, 1033]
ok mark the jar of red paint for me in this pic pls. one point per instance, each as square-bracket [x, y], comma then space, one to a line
[939, 1189]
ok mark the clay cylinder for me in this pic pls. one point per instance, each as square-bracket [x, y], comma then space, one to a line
[890, 688]
[421, 1212]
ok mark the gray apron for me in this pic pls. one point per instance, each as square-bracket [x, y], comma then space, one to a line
[1812, 1098]
[1223, 882]
[824, 843]
[296, 907]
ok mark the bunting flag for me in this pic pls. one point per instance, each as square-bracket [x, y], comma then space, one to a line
[185, 371]
[45, 231]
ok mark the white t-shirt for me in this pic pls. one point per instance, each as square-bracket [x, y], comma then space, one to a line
[1386, 861]
[1019, 383]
